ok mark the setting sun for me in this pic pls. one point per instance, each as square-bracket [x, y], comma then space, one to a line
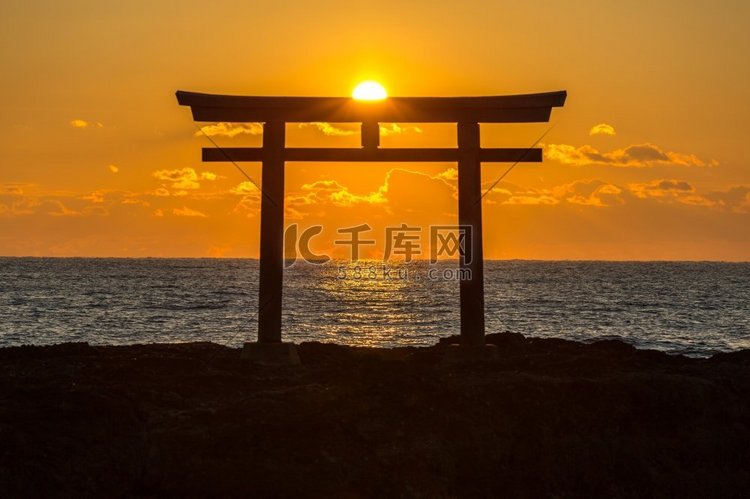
[369, 90]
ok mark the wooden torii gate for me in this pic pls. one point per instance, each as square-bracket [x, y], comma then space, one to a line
[275, 112]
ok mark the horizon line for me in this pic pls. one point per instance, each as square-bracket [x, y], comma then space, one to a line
[369, 260]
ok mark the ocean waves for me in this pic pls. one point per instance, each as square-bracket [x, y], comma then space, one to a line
[679, 307]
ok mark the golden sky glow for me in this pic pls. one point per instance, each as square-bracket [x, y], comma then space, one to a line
[647, 160]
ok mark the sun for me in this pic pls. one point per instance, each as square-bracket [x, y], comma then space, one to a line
[369, 90]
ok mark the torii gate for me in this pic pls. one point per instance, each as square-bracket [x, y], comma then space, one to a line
[275, 112]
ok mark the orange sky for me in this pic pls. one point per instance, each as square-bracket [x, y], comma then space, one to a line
[647, 160]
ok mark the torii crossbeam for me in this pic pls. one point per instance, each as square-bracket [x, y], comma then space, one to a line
[275, 112]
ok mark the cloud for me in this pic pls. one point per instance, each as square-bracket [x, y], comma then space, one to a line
[113, 168]
[244, 188]
[661, 188]
[396, 129]
[599, 194]
[602, 129]
[634, 156]
[22, 200]
[188, 212]
[347, 129]
[669, 191]
[689, 160]
[531, 198]
[136, 201]
[95, 197]
[58, 209]
[339, 195]
[639, 154]
[511, 194]
[249, 205]
[79, 123]
[223, 129]
[183, 179]
[12, 188]
[736, 199]
[323, 185]
[593, 192]
[15, 202]
[330, 129]
[398, 186]
[450, 175]
[27, 206]
[402, 191]
[571, 155]
[590, 192]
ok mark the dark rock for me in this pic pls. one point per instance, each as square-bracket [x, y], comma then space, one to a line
[548, 418]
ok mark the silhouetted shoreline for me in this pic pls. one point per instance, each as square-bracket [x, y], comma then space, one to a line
[549, 418]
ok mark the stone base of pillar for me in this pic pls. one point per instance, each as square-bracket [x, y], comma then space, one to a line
[271, 354]
[457, 353]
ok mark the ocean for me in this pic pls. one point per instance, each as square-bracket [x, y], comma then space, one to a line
[691, 308]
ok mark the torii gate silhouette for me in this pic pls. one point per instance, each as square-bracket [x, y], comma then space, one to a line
[275, 112]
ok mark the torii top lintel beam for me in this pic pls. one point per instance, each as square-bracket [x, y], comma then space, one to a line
[528, 108]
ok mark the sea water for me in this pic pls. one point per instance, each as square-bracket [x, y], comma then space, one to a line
[692, 308]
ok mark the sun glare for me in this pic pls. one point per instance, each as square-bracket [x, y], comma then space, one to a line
[369, 90]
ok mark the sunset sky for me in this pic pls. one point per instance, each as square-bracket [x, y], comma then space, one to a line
[647, 160]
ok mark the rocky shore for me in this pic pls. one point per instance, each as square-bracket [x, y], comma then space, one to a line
[549, 418]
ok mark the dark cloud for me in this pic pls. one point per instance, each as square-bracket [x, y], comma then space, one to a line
[642, 153]
[635, 156]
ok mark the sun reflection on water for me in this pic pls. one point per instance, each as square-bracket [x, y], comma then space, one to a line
[369, 303]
